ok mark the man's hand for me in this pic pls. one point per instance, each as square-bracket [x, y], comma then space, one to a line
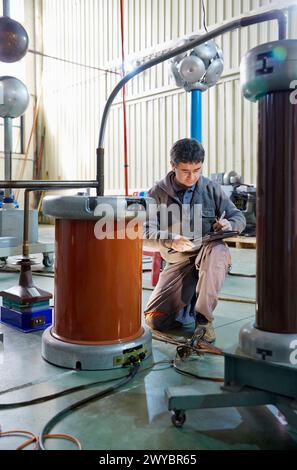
[181, 244]
[222, 224]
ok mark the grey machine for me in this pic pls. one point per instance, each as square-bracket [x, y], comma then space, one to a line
[242, 195]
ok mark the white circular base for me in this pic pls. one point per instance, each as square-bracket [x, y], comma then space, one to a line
[101, 357]
[271, 347]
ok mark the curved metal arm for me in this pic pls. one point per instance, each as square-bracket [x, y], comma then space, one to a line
[241, 22]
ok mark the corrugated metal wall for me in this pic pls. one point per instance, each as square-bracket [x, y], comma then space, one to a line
[88, 32]
[17, 70]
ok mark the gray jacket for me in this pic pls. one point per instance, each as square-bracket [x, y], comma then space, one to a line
[213, 203]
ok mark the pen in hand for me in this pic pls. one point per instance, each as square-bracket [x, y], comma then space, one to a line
[217, 226]
[222, 216]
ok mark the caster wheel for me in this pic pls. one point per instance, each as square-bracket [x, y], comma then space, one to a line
[3, 261]
[183, 352]
[48, 260]
[178, 418]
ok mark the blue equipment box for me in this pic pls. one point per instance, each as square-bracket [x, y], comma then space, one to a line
[29, 307]
[27, 321]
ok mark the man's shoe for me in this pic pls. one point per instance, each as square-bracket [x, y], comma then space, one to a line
[200, 319]
[205, 332]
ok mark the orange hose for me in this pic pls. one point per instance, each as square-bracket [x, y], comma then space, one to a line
[34, 438]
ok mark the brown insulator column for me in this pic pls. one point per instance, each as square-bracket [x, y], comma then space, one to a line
[276, 309]
[97, 285]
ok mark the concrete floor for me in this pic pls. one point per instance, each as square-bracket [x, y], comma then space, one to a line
[137, 416]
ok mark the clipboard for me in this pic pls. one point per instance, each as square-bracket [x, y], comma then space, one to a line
[208, 238]
[219, 235]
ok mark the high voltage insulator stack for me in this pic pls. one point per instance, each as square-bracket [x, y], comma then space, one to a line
[14, 97]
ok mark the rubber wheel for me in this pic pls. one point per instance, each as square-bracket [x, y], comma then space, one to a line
[48, 260]
[178, 418]
[3, 261]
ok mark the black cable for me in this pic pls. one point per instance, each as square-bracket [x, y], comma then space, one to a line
[45, 398]
[185, 347]
[54, 420]
[204, 15]
[195, 376]
[36, 401]
[241, 274]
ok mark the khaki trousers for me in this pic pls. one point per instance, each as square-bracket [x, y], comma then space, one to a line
[203, 273]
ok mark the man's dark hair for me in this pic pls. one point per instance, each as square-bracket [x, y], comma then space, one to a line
[187, 151]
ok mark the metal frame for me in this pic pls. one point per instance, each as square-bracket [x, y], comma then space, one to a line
[248, 382]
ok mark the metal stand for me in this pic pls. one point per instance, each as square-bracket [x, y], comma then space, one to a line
[248, 382]
[262, 370]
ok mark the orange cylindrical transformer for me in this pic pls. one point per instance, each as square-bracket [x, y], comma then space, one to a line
[97, 285]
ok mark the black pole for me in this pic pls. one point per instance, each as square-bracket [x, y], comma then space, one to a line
[100, 171]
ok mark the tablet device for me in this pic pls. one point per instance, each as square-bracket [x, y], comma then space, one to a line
[212, 236]
[209, 237]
